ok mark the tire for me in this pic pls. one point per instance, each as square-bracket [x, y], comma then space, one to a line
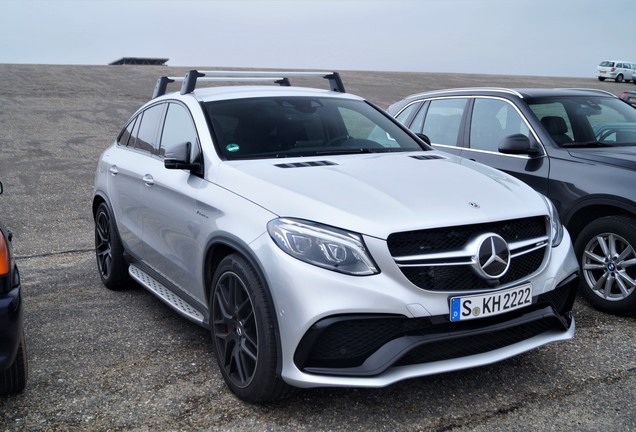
[242, 326]
[601, 79]
[109, 251]
[14, 379]
[607, 255]
[619, 78]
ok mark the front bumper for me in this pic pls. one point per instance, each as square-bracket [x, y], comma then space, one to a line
[372, 331]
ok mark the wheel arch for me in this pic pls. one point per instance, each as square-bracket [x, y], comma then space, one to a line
[223, 246]
[595, 208]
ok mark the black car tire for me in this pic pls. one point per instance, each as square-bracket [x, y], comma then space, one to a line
[601, 79]
[109, 251]
[605, 248]
[14, 378]
[619, 78]
[243, 330]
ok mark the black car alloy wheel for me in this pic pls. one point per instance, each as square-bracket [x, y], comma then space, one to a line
[243, 328]
[109, 251]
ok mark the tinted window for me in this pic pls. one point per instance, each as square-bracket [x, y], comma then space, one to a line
[126, 133]
[147, 134]
[303, 126]
[491, 121]
[178, 128]
[443, 119]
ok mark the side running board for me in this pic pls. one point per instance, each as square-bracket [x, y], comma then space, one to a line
[164, 294]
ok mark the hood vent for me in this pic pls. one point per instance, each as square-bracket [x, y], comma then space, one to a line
[305, 164]
[428, 157]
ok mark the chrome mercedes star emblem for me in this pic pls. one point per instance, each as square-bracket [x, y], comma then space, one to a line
[493, 256]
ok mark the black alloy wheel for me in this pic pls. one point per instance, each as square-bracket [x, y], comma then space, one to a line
[243, 332]
[109, 251]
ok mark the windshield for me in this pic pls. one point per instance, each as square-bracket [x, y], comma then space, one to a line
[302, 126]
[580, 121]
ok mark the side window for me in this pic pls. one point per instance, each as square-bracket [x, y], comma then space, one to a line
[406, 113]
[126, 133]
[491, 121]
[178, 128]
[148, 129]
[443, 118]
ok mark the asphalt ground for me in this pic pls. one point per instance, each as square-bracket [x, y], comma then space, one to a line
[103, 360]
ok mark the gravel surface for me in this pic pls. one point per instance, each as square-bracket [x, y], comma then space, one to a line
[103, 360]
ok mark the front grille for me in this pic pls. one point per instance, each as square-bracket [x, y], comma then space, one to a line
[462, 278]
[448, 238]
[456, 274]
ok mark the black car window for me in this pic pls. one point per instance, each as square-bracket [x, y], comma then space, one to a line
[148, 129]
[302, 126]
[491, 121]
[443, 119]
[178, 128]
[124, 136]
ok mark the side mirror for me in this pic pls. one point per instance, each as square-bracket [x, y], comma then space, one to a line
[518, 144]
[179, 158]
[424, 138]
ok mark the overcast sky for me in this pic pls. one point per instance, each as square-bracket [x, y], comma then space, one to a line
[520, 37]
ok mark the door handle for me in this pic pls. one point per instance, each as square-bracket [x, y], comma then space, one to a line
[113, 170]
[148, 180]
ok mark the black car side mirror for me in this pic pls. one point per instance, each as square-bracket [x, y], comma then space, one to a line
[179, 158]
[424, 138]
[518, 144]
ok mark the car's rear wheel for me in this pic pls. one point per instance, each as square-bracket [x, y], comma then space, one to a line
[113, 269]
[13, 379]
[601, 79]
[606, 249]
[243, 329]
[619, 78]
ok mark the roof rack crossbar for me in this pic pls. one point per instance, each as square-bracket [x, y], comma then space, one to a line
[188, 83]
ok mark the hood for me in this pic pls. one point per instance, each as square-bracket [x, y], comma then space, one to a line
[618, 156]
[377, 194]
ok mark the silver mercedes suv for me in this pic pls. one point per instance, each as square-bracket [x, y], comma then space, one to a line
[321, 242]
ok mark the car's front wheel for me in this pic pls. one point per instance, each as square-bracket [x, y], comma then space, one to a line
[608, 264]
[109, 250]
[243, 329]
[14, 378]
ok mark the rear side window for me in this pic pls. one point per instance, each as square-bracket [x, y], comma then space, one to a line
[127, 133]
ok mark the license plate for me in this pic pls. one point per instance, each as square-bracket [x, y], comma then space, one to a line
[484, 305]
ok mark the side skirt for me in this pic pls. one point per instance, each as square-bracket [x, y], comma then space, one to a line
[166, 295]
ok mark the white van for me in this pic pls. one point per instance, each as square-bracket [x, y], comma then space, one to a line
[616, 70]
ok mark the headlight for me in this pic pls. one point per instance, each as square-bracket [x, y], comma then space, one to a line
[323, 246]
[556, 232]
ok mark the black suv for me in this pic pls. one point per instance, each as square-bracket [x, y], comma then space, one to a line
[13, 359]
[576, 146]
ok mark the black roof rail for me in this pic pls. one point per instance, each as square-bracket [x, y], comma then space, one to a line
[189, 81]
